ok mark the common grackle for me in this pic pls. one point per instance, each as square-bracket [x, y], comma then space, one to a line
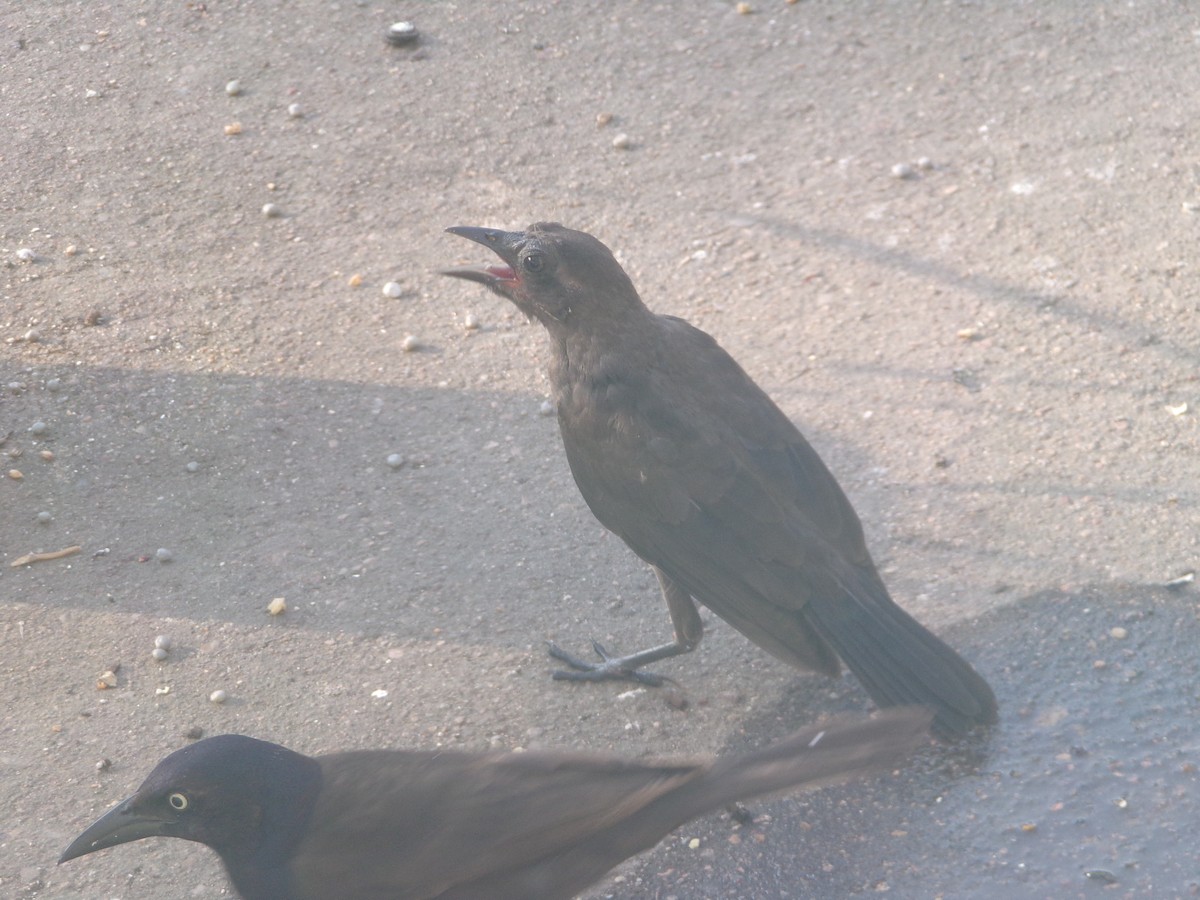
[410, 825]
[678, 452]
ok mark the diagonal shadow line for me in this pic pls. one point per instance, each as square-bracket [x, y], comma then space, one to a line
[981, 285]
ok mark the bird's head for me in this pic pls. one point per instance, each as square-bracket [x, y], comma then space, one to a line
[561, 277]
[238, 795]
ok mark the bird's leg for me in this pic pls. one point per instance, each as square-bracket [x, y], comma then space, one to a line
[688, 632]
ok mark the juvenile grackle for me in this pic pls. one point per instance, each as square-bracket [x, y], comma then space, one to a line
[689, 462]
[410, 825]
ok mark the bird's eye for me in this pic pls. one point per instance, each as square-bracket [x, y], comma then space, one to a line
[533, 262]
[178, 801]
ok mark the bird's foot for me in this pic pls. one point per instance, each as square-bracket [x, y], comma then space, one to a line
[610, 668]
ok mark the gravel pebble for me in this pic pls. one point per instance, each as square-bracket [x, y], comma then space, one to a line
[193, 466]
[159, 653]
[26, 255]
[546, 409]
[393, 289]
[622, 141]
[410, 343]
[271, 210]
[162, 642]
[38, 428]
[296, 111]
[233, 88]
[395, 460]
[400, 34]
[54, 385]
[44, 517]
[162, 554]
[218, 696]
[904, 171]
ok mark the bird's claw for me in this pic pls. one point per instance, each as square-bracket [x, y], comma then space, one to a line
[610, 668]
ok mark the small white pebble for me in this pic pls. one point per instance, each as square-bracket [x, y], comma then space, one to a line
[162, 642]
[694, 844]
[903, 170]
[159, 691]
[16, 386]
[193, 466]
[38, 428]
[1119, 633]
[925, 163]
[410, 343]
[277, 607]
[70, 250]
[271, 210]
[379, 694]
[471, 322]
[91, 94]
[32, 336]
[159, 653]
[393, 289]
[162, 554]
[44, 517]
[401, 33]
[296, 111]
[218, 696]
[546, 409]
[26, 255]
[233, 88]
[395, 460]
[54, 385]
[622, 141]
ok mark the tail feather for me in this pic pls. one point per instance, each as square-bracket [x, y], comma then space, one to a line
[811, 757]
[899, 661]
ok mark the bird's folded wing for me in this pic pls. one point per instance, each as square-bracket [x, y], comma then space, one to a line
[425, 822]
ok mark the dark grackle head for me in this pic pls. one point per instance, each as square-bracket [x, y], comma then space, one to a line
[243, 797]
[551, 273]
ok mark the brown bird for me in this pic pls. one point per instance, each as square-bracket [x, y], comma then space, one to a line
[689, 462]
[409, 825]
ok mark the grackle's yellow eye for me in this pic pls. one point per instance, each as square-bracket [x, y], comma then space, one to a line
[178, 801]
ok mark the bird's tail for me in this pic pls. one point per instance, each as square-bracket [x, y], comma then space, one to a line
[808, 758]
[899, 661]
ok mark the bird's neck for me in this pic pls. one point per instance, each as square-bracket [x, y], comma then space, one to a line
[258, 867]
[587, 347]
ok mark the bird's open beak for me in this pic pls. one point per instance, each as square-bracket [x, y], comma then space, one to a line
[506, 245]
[119, 825]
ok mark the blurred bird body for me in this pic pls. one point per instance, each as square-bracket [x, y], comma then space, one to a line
[410, 825]
[678, 452]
